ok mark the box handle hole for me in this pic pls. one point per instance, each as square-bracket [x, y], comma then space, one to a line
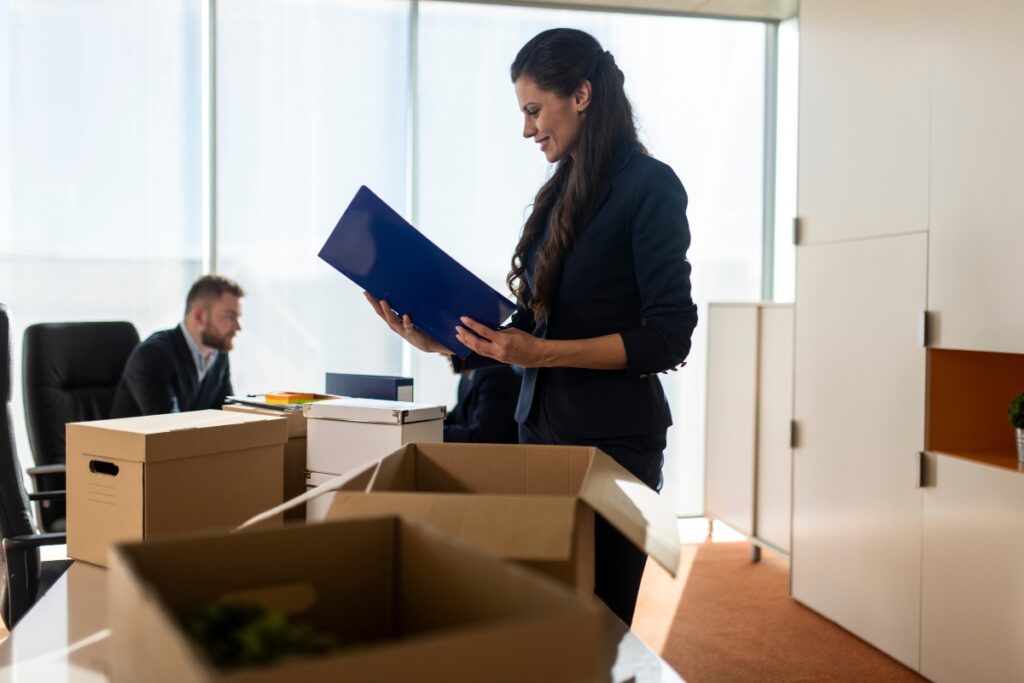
[100, 467]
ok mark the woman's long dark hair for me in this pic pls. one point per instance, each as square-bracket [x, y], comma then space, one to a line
[560, 60]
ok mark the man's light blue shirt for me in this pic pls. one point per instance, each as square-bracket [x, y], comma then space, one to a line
[203, 363]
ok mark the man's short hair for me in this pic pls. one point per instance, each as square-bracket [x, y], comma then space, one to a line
[209, 288]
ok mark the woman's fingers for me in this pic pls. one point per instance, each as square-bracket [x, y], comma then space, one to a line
[374, 303]
[480, 330]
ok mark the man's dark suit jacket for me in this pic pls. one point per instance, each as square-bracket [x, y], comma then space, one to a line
[160, 377]
[485, 412]
[627, 273]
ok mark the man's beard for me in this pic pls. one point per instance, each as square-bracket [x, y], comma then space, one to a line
[221, 343]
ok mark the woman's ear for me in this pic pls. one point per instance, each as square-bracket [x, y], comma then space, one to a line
[581, 98]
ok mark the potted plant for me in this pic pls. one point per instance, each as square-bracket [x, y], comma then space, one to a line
[1017, 420]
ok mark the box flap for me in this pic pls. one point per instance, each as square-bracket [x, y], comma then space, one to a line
[153, 438]
[639, 513]
[374, 411]
[356, 480]
[519, 527]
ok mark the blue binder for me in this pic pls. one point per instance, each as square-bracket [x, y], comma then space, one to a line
[382, 253]
[384, 387]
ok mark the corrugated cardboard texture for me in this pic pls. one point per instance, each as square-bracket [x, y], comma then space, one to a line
[578, 570]
[154, 438]
[458, 615]
[534, 528]
[294, 452]
[476, 468]
[116, 495]
[104, 499]
[218, 491]
[295, 475]
[629, 505]
[296, 419]
[638, 512]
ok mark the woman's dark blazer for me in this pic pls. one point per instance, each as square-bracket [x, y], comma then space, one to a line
[626, 274]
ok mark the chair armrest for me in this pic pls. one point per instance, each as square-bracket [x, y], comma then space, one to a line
[47, 495]
[34, 541]
[46, 469]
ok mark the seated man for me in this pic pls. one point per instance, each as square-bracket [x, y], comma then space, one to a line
[486, 409]
[185, 368]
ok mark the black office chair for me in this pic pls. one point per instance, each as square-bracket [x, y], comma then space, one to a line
[23, 578]
[70, 372]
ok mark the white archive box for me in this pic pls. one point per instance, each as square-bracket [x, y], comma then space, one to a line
[345, 433]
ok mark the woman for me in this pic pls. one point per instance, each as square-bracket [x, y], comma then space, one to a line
[601, 282]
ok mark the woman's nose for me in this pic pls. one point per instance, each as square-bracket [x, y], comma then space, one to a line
[529, 130]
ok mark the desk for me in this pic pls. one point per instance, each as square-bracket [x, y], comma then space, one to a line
[64, 638]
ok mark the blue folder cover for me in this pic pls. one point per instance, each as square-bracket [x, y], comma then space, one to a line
[382, 253]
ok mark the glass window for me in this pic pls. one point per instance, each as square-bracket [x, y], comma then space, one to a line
[697, 86]
[311, 103]
[99, 172]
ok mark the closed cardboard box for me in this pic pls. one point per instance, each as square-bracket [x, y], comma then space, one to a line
[294, 451]
[346, 433]
[158, 475]
[415, 604]
[532, 504]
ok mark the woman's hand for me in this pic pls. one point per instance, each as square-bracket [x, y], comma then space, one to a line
[510, 345]
[404, 327]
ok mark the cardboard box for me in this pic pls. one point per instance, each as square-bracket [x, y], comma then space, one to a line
[532, 504]
[294, 451]
[153, 476]
[422, 606]
[346, 433]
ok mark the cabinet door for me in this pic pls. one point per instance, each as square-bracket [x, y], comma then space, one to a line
[972, 585]
[731, 415]
[863, 135]
[977, 220]
[859, 405]
[775, 409]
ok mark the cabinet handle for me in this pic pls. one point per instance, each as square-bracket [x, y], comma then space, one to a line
[792, 434]
[796, 231]
[924, 328]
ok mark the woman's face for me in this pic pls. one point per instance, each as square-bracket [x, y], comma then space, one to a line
[552, 121]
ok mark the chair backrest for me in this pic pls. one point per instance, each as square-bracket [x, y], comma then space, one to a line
[15, 519]
[70, 372]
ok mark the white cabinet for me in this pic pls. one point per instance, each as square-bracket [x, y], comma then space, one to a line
[977, 164]
[972, 611]
[749, 399]
[863, 133]
[859, 407]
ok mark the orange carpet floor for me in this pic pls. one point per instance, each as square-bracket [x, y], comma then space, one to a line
[725, 619]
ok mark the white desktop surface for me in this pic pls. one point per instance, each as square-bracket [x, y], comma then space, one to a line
[64, 638]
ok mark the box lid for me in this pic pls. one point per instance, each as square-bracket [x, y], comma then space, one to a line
[374, 410]
[296, 419]
[155, 438]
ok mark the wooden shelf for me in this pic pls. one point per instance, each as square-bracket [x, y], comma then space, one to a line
[1006, 460]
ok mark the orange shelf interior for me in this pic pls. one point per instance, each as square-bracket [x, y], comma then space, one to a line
[968, 396]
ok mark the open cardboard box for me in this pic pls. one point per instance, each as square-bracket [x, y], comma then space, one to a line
[416, 604]
[532, 504]
[159, 475]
